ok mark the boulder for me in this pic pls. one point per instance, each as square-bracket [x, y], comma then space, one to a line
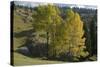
[24, 50]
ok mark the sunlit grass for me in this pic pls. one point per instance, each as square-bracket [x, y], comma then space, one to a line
[24, 60]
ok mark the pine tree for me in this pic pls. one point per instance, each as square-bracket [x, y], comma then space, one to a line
[93, 34]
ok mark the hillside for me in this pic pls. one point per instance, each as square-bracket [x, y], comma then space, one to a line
[24, 34]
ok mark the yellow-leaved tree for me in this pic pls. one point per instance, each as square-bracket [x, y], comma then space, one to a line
[75, 40]
[46, 18]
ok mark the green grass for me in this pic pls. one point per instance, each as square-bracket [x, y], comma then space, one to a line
[24, 60]
[93, 58]
[18, 42]
[19, 24]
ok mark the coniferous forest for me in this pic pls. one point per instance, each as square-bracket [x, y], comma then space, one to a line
[52, 33]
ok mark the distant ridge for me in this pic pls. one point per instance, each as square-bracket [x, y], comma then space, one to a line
[35, 4]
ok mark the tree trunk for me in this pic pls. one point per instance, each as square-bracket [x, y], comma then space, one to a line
[47, 42]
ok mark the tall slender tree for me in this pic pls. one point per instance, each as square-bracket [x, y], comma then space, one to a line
[45, 17]
[93, 33]
[74, 34]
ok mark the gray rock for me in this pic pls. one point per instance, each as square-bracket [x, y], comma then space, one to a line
[24, 50]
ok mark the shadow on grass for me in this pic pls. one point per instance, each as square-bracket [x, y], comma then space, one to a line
[39, 54]
[31, 49]
[23, 33]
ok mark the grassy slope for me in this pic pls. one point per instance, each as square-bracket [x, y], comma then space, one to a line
[24, 60]
[20, 59]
